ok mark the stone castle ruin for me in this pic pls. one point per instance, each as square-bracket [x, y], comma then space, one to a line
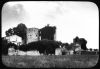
[44, 41]
[32, 35]
[35, 34]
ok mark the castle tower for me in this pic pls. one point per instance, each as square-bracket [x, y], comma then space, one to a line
[32, 35]
[48, 32]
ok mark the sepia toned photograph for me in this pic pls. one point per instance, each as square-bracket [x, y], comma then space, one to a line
[50, 34]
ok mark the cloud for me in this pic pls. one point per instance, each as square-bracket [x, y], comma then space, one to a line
[12, 13]
[56, 10]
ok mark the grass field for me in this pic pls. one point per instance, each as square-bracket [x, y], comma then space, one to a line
[51, 61]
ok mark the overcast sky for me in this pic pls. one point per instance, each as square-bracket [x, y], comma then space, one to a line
[71, 18]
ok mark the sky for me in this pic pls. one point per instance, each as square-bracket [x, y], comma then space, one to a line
[71, 18]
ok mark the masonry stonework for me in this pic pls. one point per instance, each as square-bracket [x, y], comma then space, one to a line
[32, 35]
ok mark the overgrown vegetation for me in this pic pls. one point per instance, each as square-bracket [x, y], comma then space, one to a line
[43, 46]
[46, 61]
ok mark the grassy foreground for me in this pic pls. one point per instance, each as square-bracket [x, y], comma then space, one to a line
[51, 61]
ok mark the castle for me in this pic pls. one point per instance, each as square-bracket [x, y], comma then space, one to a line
[35, 34]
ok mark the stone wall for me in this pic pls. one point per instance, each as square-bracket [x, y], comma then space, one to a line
[32, 35]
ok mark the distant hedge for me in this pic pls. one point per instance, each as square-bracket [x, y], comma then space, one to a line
[43, 46]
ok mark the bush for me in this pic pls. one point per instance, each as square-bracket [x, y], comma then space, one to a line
[43, 46]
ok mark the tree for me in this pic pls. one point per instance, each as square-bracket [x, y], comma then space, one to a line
[59, 43]
[76, 39]
[64, 45]
[9, 32]
[15, 30]
[21, 31]
[90, 49]
[81, 41]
